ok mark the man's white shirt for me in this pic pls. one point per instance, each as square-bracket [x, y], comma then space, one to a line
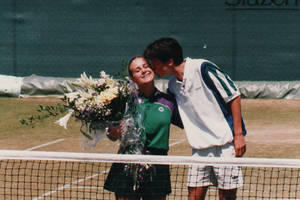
[199, 97]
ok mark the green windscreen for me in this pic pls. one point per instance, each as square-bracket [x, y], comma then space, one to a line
[251, 40]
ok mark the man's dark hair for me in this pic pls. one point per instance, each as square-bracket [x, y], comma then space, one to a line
[165, 49]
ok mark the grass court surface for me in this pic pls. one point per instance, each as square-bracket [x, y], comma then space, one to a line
[273, 132]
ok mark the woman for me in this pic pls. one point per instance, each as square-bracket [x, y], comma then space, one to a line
[158, 111]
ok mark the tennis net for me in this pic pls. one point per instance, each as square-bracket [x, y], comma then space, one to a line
[62, 175]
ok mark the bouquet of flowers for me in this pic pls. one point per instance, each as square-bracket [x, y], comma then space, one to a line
[96, 103]
[99, 102]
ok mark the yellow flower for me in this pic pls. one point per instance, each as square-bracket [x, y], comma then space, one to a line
[110, 82]
[107, 95]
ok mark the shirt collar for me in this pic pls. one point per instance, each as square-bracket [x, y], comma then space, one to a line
[152, 97]
[182, 83]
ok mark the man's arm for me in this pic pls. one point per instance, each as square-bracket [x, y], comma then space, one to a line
[239, 140]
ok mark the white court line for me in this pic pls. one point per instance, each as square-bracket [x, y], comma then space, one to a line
[84, 179]
[46, 144]
[62, 139]
[178, 142]
[69, 185]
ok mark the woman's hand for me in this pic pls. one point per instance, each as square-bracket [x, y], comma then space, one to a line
[114, 132]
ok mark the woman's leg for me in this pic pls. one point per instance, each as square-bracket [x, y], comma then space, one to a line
[127, 197]
[227, 194]
[154, 197]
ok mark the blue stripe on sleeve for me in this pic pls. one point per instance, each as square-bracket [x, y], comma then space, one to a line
[212, 69]
[207, 67]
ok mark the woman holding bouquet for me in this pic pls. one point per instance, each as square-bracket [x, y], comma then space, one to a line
[157, 111]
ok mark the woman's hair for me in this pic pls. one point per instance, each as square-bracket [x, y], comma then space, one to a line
[164, 49]
[129, 63]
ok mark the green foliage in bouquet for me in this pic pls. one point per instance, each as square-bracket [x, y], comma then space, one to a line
[44, 112]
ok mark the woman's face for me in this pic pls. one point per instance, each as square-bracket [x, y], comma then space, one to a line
[141, 72]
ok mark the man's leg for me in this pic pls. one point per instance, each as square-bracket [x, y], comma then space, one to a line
[197, 193]
[199, 176]
[227, 194]
[229, 177]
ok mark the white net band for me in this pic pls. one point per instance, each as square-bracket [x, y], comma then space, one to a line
[65, 175]
[163, 160]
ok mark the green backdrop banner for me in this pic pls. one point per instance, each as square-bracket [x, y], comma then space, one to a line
[249, 39]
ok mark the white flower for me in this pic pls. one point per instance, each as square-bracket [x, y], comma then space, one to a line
[80, 103]
[114, 90]
[86, 95]
[72, 96]
[104, 75]
[85, 81]
[111, 83]
[64, 120]
[108, 112]
[97, 103]
[99, 82]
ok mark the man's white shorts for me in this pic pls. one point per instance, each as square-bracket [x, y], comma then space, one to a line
[227, 177]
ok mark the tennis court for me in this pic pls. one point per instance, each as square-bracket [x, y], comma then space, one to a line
[273, 132]
[273, 129]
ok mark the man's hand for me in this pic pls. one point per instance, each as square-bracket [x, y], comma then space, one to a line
[239, 145]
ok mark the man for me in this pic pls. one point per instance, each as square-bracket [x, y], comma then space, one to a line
[210, 107]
